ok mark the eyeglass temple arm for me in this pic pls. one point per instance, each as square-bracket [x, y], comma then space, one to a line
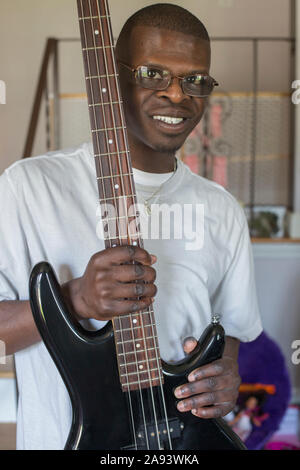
[127, 66]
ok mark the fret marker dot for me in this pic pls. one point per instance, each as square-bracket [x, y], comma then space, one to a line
[134, 243]
[138, 345]
[104, 90]
[134, 321]
[141, 367]
[110, 141]
[117, 186]
[96, 32]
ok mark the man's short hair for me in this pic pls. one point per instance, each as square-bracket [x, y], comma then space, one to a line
[164, 16]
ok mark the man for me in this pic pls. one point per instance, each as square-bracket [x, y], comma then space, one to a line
[49, 216]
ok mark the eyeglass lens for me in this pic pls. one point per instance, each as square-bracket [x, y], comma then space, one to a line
[158, 79]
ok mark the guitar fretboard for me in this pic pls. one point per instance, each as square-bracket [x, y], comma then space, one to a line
[135, 334]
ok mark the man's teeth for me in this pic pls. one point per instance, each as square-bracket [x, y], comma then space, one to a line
[168, 119]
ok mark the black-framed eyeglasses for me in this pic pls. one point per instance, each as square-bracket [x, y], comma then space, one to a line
[154, 78]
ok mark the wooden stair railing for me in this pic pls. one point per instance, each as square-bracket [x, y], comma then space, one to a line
[51, 51]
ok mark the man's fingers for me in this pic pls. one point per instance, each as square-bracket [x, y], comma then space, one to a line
[121, 255]
[217, 411]
[210, 384]
[210, 370]
[131, 273]
[123, 307]
[131, 290]
[205, 399]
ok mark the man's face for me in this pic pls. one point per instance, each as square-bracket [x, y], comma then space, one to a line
[179, 53]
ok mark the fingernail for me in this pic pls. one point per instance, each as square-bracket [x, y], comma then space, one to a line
[190, 339]
[180, 406]
[177, 392]
[153, 259]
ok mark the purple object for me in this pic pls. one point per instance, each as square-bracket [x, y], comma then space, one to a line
[261, 361]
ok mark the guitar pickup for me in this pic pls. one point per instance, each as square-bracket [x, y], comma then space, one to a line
[159, 433]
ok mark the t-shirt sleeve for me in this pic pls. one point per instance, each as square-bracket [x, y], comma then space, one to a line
[13, 248]
[236, 299]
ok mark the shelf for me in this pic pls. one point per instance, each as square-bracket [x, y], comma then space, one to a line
[7, 375]
[275, 240]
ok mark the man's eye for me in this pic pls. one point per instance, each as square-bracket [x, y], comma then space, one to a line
[152, 73]
[196, 79]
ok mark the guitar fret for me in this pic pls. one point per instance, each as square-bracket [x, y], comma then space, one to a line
[136, 314]
[136, 363]
[135, 328]
[152, 379]
[96, 47]
[105, 104]
[136, 339]
[110, 153]
[117, 197]
[114, 176]
[123, 237]
[101, 76]
[146, 371]
[118, 218]
[109, 129]
[93, 17]
[156, 348]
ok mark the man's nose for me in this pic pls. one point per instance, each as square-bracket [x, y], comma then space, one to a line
[174, 91]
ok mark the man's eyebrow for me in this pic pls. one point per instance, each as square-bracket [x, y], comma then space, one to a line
[163, 67]
[196, 72]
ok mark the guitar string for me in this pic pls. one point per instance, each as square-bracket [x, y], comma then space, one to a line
[120, 165]
[99, 161]
[132, 192]
[122, 183]
[150, 310]
[162, 398]
[98, 143]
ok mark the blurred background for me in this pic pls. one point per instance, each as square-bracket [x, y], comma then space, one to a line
[248, 141]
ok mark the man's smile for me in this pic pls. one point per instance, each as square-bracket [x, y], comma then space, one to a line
[168, 119]
[170, 124]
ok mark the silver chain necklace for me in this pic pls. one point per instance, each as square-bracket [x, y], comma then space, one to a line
[147, 201]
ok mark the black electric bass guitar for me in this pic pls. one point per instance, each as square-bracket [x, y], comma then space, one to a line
[122, 393]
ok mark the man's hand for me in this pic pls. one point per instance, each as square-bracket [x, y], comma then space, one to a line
[117, 281]
[212, 390]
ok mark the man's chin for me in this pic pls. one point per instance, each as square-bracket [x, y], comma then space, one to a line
[167, 149]
[170, 147]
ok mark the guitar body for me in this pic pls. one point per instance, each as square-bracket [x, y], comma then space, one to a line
[88, 365]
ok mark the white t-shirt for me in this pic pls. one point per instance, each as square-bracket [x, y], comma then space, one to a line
[49, 213]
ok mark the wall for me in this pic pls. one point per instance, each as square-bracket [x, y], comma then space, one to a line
[25, 25]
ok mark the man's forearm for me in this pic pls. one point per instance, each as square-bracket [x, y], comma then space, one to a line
[17, 327]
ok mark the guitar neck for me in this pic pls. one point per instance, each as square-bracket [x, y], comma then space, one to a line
[135, 334]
